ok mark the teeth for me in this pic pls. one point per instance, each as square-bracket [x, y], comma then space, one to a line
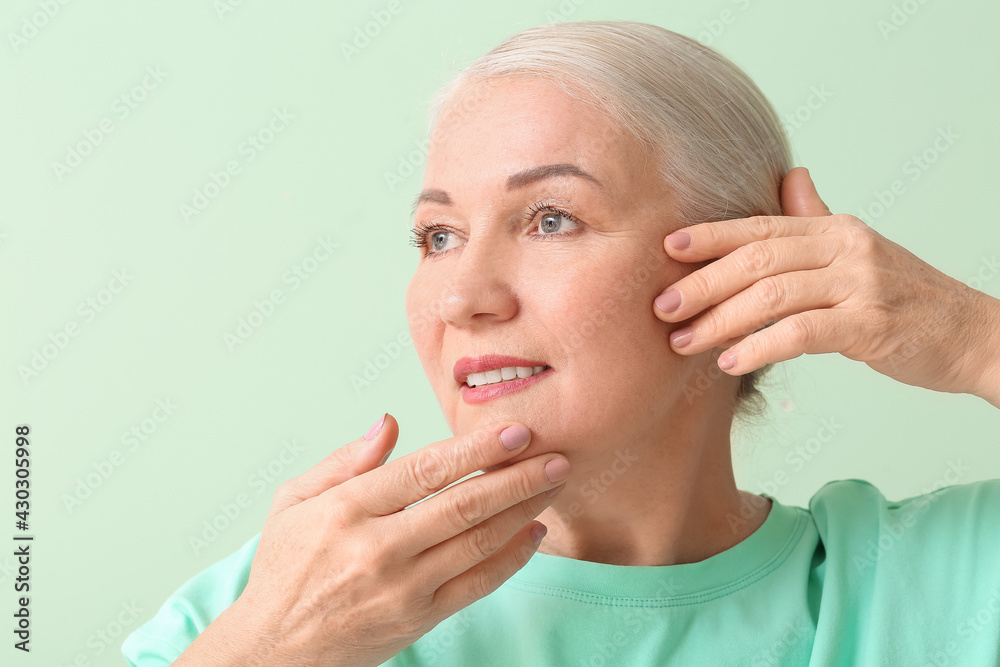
[502, 375]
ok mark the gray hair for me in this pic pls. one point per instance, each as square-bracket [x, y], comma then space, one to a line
[718, 143]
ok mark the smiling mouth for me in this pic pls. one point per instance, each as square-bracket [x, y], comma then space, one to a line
[502, 375]
[488, 392]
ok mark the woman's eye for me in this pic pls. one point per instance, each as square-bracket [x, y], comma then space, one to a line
[550, 223]
[438, 237]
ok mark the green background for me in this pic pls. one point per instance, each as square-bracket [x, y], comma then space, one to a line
[356, 119]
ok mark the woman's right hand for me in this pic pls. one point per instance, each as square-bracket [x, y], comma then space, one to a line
[348, 571]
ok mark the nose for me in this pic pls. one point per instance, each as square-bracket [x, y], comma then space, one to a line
[480, 287]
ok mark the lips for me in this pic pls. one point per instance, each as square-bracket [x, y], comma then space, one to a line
[489, 362]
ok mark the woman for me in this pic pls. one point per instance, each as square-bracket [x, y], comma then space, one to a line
[566, 302]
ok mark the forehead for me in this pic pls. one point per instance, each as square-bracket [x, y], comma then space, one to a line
[492, 128]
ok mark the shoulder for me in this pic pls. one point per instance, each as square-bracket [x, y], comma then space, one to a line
[914, 580]
[190, 609]
[858, 498]
[854, 518]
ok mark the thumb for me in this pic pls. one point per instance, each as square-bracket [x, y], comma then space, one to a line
[355, 458]
[362, 451]
[799, 197]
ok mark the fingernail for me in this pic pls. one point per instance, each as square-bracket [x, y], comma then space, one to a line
[681, 337]
[376, 428]
[679, 240]
[668, 301]
[727, 361]
[538, 532]
[514, 436]
[557, 469]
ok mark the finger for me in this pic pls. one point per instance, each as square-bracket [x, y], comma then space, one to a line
[769, 299]
[722, 347]
[799, 196]
[717, 239]
[412, 478]
[486, 577]
[457, 509]
[720, 280]
[450, 558]
[356, 457]
[809, 332]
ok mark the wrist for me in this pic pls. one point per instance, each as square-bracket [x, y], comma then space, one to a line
[987, 384]
[235, 638]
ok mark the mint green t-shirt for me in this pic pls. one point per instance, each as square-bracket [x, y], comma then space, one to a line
[854, 579]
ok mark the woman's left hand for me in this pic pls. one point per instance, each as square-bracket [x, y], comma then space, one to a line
[829, 283]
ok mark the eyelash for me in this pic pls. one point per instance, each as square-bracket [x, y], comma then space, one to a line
[419, 234]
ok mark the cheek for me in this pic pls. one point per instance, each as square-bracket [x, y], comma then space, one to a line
[601, 318]
[613, 293]
[422, 317]
[416, 312]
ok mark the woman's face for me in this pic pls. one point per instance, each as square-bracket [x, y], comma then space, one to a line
[504, 274]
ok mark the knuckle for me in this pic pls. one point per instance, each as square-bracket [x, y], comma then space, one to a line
[413, 624]
[754, 346]
[849, 220]
[801, 329]
[759, 222]
[429, 471]
[483, 542]
[471, 447]
[770, 293]
[756, 257]
[287, 493]
[696, 283]
[416, 616]
[285, 489]
[521, 483]
[859, 238]
[375, 556]
[466, 507]
[483, 438]
[337, 519]
[481, 582]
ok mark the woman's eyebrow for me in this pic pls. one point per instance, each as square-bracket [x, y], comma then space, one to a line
[529, 176]
[514, 182]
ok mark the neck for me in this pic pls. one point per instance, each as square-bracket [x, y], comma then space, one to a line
[653, 500]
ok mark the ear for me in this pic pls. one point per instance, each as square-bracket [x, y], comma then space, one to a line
[799, 197]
